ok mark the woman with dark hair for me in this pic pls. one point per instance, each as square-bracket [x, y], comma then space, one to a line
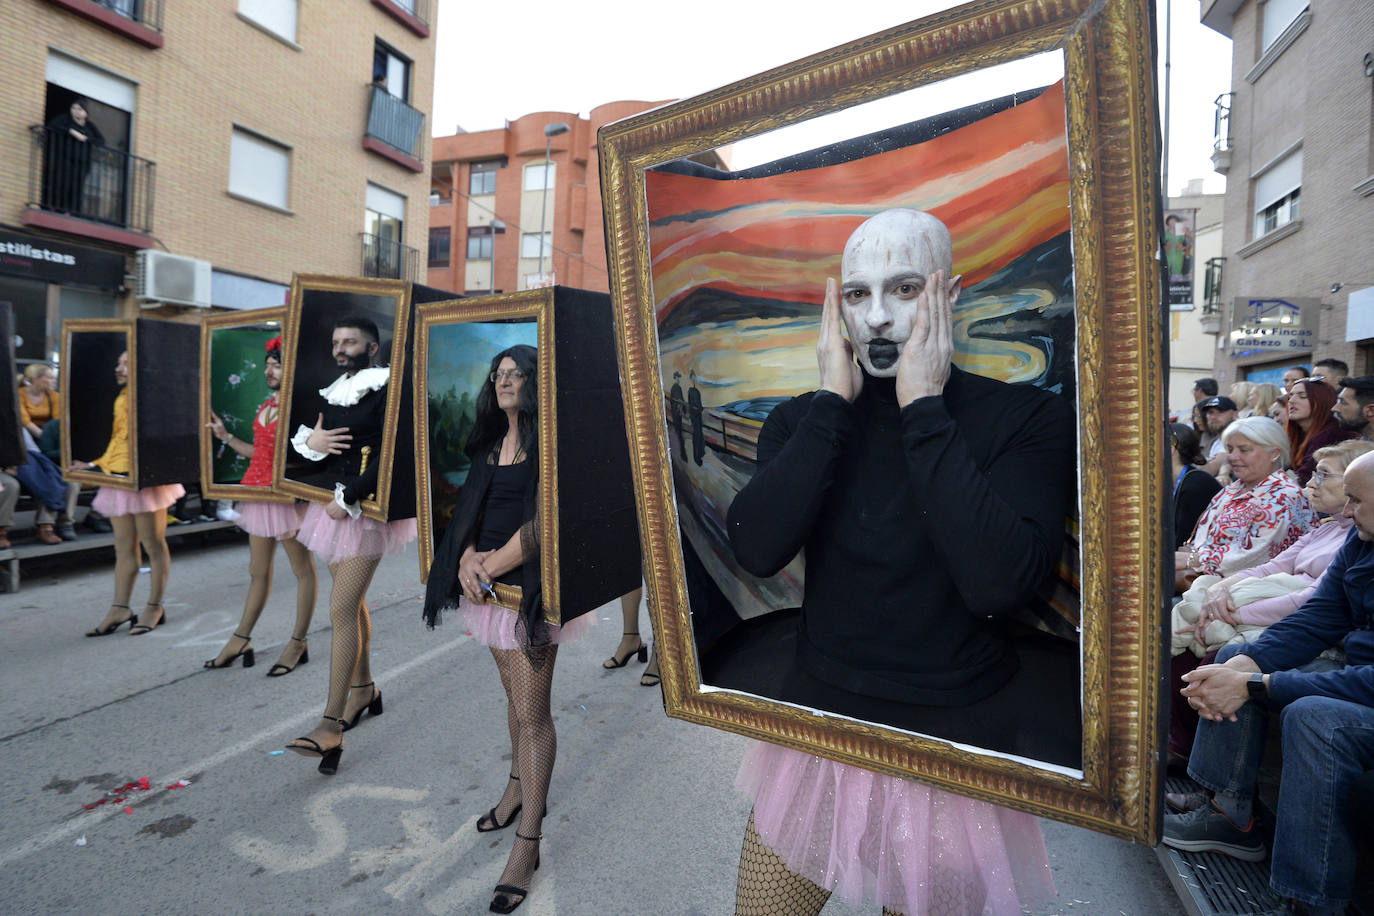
[267, 523]
[487, 565]
[1193, 487]
[70, 138]
[138, 517]
[1311, 424]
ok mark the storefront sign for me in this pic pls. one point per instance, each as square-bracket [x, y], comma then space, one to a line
[1270, 329]
[56, 262]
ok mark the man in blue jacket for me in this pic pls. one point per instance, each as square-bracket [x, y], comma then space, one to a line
[1327, 712]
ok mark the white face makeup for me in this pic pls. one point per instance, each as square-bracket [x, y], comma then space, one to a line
[884, 270]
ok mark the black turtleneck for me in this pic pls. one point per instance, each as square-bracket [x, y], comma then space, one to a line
[921, 525]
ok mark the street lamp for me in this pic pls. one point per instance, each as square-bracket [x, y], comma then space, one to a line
[550, 131]
[495, 227]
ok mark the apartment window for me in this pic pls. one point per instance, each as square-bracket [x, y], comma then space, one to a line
[538, 176]
[439, 243]
[276, 16]
[482, 178]
[1277, 192]
[480, 241]
[259, 168]
[529, 245]
[391, 71]
[1276, 16]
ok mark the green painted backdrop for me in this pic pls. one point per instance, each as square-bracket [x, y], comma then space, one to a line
[237, 389]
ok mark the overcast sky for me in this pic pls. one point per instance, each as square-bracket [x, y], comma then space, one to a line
[499, 61]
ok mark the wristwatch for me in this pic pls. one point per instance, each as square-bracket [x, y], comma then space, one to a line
[1255, 687]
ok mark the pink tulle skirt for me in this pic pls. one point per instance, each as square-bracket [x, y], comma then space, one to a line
[342, 539]
[891, 841]
[494, 626]
[112, 501]
[270, 520]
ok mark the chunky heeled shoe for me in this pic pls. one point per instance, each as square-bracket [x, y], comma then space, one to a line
[329, 757]
[493, 823]
[618, 661]
[246, 653]
[131, 620]
[141, 628]
[502, 902]
[373, 707]
[651, 678]
[279, 669]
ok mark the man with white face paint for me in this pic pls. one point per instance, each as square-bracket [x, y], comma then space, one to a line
[930, 503]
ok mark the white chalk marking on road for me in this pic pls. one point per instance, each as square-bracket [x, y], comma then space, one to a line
[253, 743]
[209, 637]
[434, 856]
[280, 858]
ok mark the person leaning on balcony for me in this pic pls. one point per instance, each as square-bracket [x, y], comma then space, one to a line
[67, 157]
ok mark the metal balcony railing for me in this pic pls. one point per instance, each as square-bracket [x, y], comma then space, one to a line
[417, 8]
[1212, 286]
[388, 259]
[145, 12]
[1221, 128]
[89, 181]
[393, 122]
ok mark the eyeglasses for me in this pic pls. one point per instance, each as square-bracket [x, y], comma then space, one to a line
[500, 375]
[1320, 477]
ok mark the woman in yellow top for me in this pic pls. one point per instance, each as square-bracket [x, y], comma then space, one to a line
[137, 516]
[38, 403]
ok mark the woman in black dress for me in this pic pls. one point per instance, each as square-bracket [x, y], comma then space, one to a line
[70, 138]
[1193, 487]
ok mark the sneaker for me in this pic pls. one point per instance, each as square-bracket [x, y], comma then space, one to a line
[66, 532]
[1183, 802]
[226, 513]
[98, 523]
[1206, 829]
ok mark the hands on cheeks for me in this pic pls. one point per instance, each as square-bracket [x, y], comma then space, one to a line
[834, 352]
[923, 366]
[472, 572]
[330, 441]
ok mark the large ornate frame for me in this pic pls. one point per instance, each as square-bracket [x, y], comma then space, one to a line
[1111, 102]
[129, 328]
[536, 304]
[208, 326]
[400, 291]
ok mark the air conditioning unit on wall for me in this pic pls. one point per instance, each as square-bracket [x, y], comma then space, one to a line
[171, 279]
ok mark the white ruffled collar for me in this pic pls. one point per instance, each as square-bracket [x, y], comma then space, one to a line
[347, 390]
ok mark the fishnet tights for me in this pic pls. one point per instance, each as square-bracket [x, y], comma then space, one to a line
[527, 675]
[352, 625]
[261, 552]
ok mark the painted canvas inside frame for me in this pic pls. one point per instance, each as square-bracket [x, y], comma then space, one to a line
[89, 389]
[235, 388]
[1045, 187]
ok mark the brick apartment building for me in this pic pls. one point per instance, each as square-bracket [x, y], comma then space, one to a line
[1295, 139]
[244, 139]
[488, 203]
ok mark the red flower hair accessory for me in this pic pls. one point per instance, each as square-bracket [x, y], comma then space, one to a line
[273, 344]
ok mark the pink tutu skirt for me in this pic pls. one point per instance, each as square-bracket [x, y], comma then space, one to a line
[494, 626]
[270, 520]
[891, 841]
[342, 539]
[112, 501]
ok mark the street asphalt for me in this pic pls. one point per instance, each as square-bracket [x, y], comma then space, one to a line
[643, 814]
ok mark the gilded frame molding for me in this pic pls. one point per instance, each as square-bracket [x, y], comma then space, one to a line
[129, 328]
[400, 291]
[208, 326]
[536, 304]
[1114, 200]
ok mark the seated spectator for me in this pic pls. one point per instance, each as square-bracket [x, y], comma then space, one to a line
[56, 497]
[1193, 487]
[1312, 425]
[1261, 398]
[38, 402]
[1217, 413]
[1326, 710]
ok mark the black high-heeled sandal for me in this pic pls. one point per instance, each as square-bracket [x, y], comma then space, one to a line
[651, 679]
[246, 652]
[501, 902]
[329, 757]
[301, 659]
[373, 707]
[616, 661]
[491, 818]
[141, 628]
[131, 620]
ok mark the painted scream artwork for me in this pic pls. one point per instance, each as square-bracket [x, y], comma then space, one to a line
[740, 262]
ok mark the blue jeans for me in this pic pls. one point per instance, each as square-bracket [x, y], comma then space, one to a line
[1327, 743]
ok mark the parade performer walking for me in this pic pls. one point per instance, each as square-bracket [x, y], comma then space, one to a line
[266, 524]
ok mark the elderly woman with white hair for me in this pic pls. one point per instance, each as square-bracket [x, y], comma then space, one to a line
[1254, 519]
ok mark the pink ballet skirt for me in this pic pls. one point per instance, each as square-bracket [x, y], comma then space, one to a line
[342, 539]
[270, 520]
[112, 501]
[494, 626]
[894, 842]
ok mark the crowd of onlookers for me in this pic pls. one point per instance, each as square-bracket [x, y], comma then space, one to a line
[1273, 500]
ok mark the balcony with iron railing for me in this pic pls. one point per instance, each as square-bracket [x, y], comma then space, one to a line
[139, 20]
[394, 129]
[88, 189]
[388, 259]
[1221, 140]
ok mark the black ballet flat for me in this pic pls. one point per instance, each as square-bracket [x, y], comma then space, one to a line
[246, 653]
[131, 620]
[501, 903]
[374, 706]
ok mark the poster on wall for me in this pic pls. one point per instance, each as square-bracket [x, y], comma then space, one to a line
[1178, 252]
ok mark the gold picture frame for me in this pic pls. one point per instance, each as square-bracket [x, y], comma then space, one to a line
[538, 305]
[208, 444]
[401, 294]
[76, 326]
[1114, 202]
